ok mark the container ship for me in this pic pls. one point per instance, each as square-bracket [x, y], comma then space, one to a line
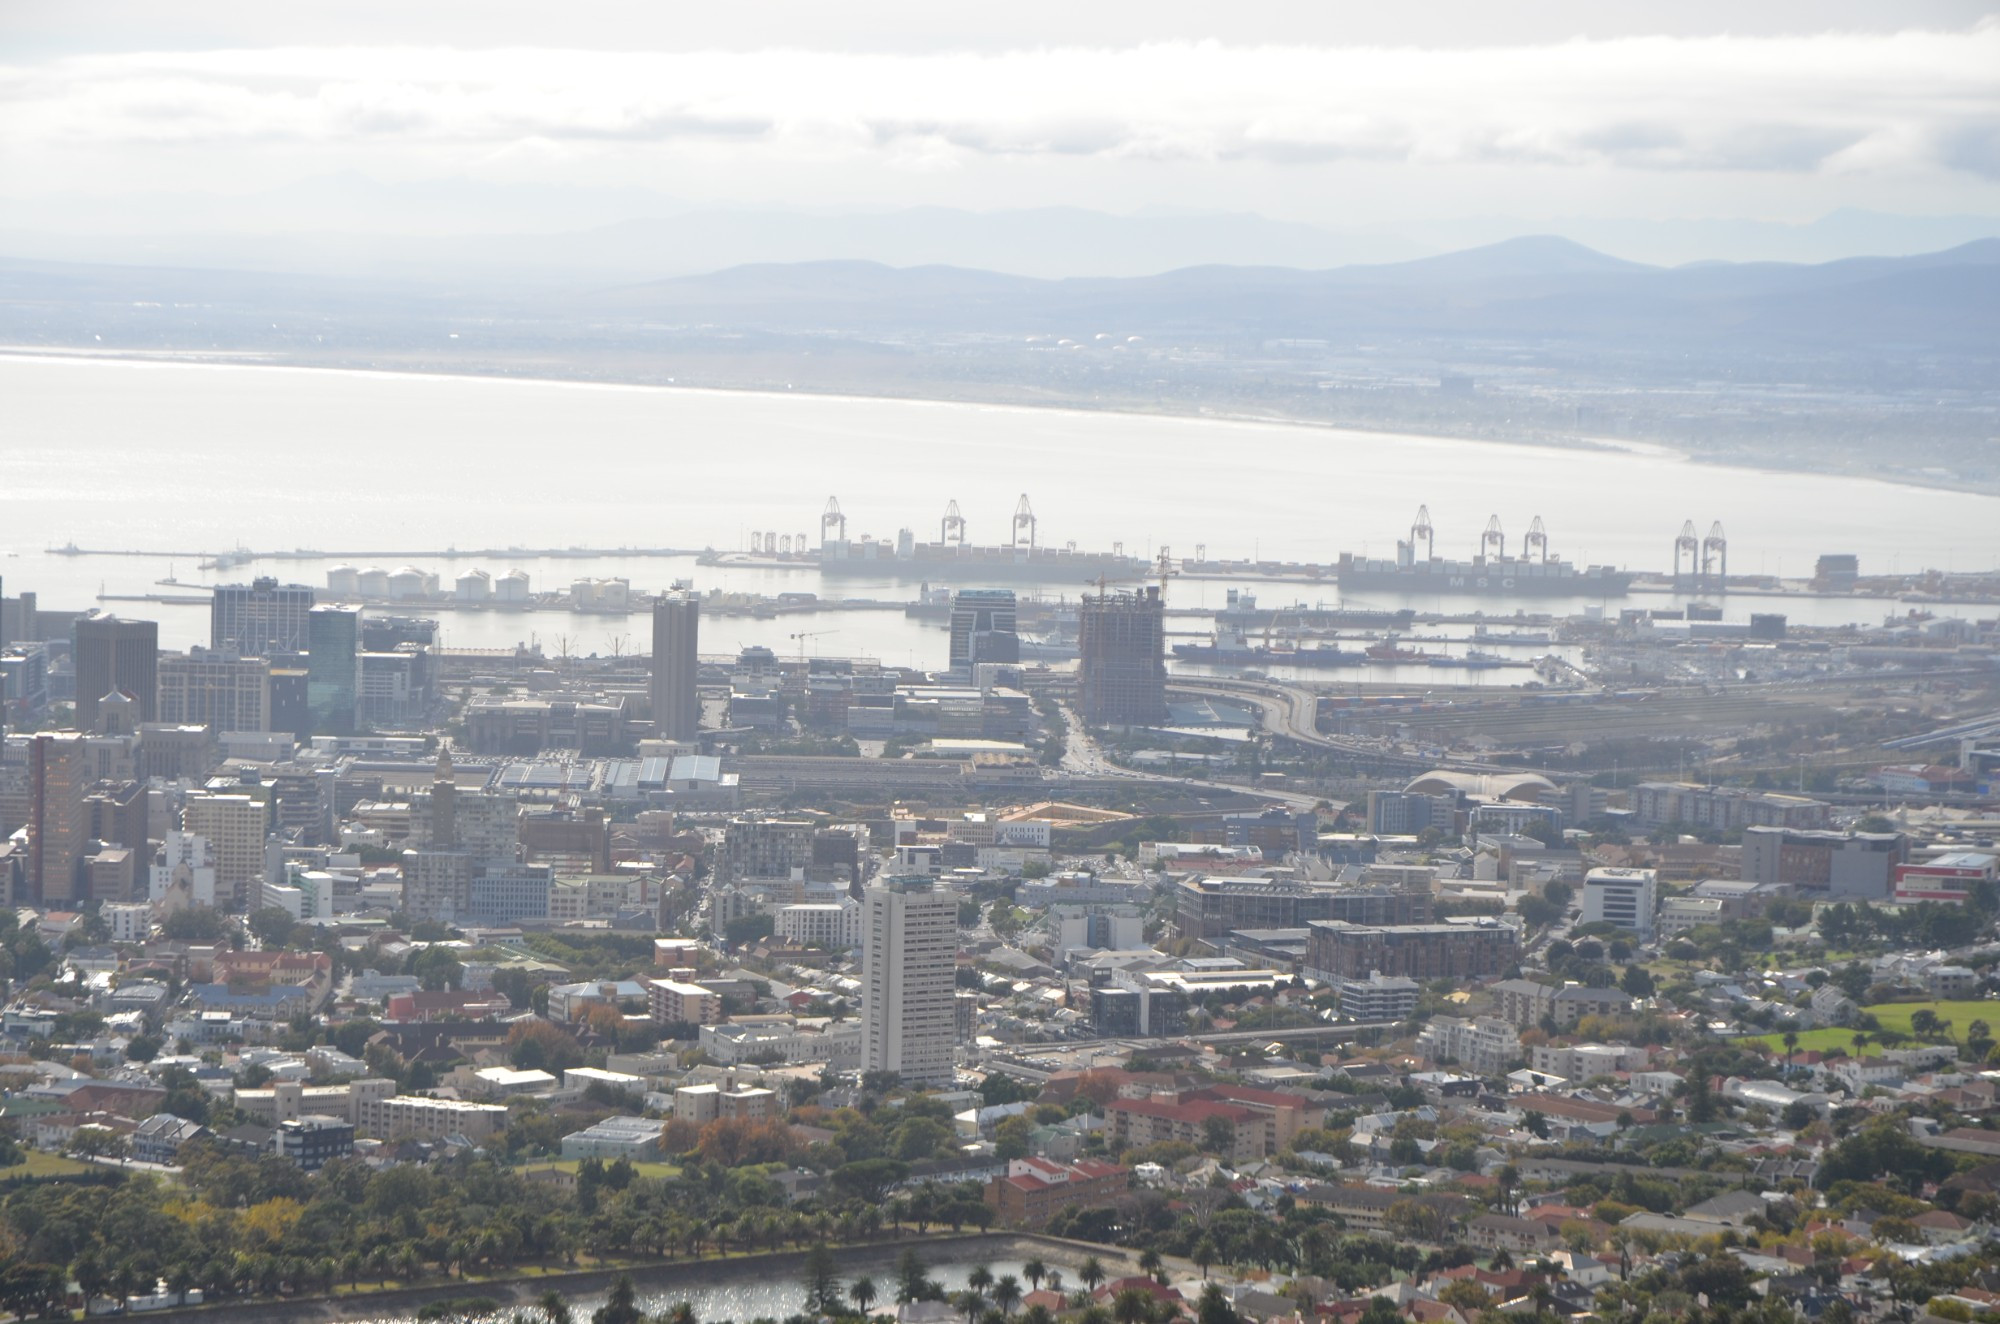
[1533, 574]
[952, 559]
[1239, 652]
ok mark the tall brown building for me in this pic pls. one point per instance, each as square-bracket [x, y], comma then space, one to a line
[116, 655]
[58, 819]
[676, 667]
[1121, 678]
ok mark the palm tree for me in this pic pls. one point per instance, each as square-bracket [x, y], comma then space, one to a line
[680, 1314]
[1092, 1273]
[980, 1280]
[1132, 1306]
[554, 1309]
[1791, 1041]
[1037, 1314]
[1034, 1271]
[1149, 1263]
[862, 1290]
[1007, 1293]
[1204, 1255]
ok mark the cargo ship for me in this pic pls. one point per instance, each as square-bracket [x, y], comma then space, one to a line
[952, 559]
[1233, 650]
[1240, 610]
[1417, 569]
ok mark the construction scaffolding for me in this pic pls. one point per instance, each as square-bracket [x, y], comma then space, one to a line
[1122, 675]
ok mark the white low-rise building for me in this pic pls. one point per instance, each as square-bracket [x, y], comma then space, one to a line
[836, 926]
[1582, 1061]
[734, 1044]
[1484, 1044]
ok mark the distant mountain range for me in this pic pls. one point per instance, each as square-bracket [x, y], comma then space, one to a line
[1536, 286]
[352, 226]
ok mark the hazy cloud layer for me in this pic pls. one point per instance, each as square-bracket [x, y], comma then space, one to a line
[1835, 103]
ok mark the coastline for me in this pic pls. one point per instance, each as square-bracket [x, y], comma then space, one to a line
[548, 374]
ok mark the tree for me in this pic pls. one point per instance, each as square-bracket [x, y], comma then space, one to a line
[1215, 1307]
[1218, 1136]
[1007, 1293]
[1131, 1306]
[1011, 1137]
[1381, 1310]
[1149, 1262]
[1790, 1039]
[1637, 981]
[1092, 1273]
[272, 927]
[1034, 1271]
[822, 1281]
[1701, 1101]
[862, 1290]
[621, 1306]
[910, 1280]
[536, 1045]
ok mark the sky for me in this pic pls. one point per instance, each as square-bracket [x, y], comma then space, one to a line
[120, 115]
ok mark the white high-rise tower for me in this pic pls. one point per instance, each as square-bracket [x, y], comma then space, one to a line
[909, 981]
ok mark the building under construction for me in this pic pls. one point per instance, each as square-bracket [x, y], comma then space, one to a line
[1122, 678]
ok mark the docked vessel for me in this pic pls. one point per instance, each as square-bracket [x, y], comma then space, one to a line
[952, 559]
[1533, 574]
[1241, 611]
[1233, 650]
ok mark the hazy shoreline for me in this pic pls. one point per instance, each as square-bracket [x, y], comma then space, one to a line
[549, 372]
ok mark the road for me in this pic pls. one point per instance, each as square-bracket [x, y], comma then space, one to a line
[1082, 757]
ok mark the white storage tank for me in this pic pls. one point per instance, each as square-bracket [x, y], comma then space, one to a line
[343, 581]
[474, 586]
[405, 584]
[513, 587]
[373, 583]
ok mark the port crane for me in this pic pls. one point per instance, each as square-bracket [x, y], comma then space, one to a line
[803, 635]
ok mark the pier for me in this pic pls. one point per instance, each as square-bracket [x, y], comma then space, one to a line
[223, 560]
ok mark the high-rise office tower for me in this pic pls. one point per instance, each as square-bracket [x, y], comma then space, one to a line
[909, 981]
[982, 627]
[333, 669]
[1121, 678]
[235, 827]
[676, 666]
[260, 618]
[221, 691]
[58, 818]
[120, 655]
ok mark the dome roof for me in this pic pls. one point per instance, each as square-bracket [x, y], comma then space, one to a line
[1528, 786]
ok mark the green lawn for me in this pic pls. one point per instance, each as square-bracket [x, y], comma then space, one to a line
[570, 1165]
[1810, 1041]
[40, 1164]
[1896, 1015]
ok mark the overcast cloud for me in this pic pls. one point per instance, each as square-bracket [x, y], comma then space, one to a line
[1779, 124]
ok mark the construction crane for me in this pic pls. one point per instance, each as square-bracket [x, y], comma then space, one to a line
[1165, 567]
[803, 635]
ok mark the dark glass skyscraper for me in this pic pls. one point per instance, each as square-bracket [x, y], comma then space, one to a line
[121, 655]
[676, 666]
[982, 627]
[333, 668]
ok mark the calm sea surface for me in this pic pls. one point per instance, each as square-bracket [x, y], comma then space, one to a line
[158, 456]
